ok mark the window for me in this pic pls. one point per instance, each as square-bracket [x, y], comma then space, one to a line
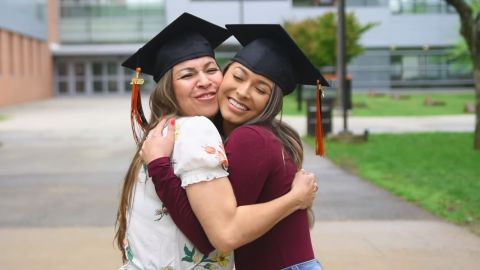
[62, 87]
[419, 6]
[427, 67]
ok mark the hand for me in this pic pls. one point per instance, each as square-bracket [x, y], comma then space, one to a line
[156, 145]
[304, 188]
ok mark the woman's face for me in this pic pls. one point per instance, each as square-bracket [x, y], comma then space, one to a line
[195, 84]
[243, 95]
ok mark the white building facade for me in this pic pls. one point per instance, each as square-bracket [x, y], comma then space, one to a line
[409, 48]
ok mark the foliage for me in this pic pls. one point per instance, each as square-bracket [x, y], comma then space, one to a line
[461, 57]
[317, 37]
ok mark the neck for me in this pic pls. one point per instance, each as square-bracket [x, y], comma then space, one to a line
[228, 127]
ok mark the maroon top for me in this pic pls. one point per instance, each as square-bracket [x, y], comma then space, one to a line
[258, 173]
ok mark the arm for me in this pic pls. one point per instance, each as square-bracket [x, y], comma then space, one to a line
[229, 226]
[214, 203]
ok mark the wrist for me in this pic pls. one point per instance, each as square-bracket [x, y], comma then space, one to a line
[156, 165]
[295, 200]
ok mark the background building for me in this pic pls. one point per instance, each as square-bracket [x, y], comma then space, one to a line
[25, 59]
[88, 39]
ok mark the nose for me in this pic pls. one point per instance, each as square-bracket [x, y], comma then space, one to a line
[203, 80]
[243, 90]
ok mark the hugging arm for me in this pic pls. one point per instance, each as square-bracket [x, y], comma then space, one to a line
[214, 204]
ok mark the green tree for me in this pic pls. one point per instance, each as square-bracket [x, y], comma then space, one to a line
[469, 14]
[317, 37]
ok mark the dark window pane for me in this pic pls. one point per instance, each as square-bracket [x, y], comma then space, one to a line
[62, 87]
[79, 69]
[80, 87]
[62, 69]
[111, 68]
[97, 69]
[97, 86]
[112, 86]
[128, 86]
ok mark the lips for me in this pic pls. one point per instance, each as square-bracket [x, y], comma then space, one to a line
[237, 105]
[206, 96]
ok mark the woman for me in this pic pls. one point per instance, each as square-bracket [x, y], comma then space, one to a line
[181, 59]
[263, 152]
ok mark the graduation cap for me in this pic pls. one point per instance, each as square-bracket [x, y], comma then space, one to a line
[269, 51]
[187, 37]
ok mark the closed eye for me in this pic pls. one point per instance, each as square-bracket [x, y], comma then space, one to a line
[212, 70]
[186, 76]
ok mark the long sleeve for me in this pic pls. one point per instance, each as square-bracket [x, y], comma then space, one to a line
[169, 190]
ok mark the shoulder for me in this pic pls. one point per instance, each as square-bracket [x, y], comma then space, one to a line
[200, 122]
[249, 131]
[195, 127]
[250, 136]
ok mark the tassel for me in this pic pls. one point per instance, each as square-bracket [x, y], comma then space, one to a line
[137, 117]
[319, 144]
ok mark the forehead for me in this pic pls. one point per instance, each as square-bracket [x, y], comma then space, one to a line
[196, 62]
[261, 78]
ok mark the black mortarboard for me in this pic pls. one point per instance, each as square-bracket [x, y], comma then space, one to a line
[185, 38]
[271, 52]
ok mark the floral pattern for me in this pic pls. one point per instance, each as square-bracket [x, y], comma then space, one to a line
[205, 262]
[220, 154]
[161, 212]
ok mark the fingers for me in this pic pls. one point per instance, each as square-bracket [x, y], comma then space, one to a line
[171, 130]
[158, 129]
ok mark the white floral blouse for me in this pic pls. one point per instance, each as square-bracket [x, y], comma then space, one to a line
[153, 241]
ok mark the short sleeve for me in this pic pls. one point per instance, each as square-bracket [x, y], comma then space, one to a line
[198, 154]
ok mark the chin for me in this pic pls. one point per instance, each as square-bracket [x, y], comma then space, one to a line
[209, 114]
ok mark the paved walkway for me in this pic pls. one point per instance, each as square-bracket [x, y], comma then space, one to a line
[61, 166]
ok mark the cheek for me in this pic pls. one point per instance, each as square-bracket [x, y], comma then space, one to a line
[262, 102]
[217, 79]
[181, 91]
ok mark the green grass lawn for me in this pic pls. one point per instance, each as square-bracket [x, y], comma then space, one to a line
[3, 117]
[437, 171]
[290, 106]
[408, 105]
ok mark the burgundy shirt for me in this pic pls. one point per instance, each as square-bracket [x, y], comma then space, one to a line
[259, 172]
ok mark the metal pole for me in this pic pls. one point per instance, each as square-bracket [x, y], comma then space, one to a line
[299, 97]
[341, 69]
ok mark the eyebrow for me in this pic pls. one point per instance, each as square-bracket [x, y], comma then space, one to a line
[260, 81]
[192, 69]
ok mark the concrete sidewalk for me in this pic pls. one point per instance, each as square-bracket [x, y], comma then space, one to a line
[61, 167]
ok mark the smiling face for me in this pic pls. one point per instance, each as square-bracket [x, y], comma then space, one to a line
[243, 95]
[195, 84]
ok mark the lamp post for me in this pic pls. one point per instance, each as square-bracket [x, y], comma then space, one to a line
[341, 67]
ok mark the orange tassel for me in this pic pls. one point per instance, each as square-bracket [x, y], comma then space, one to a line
[320, 147]
[137, 117]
